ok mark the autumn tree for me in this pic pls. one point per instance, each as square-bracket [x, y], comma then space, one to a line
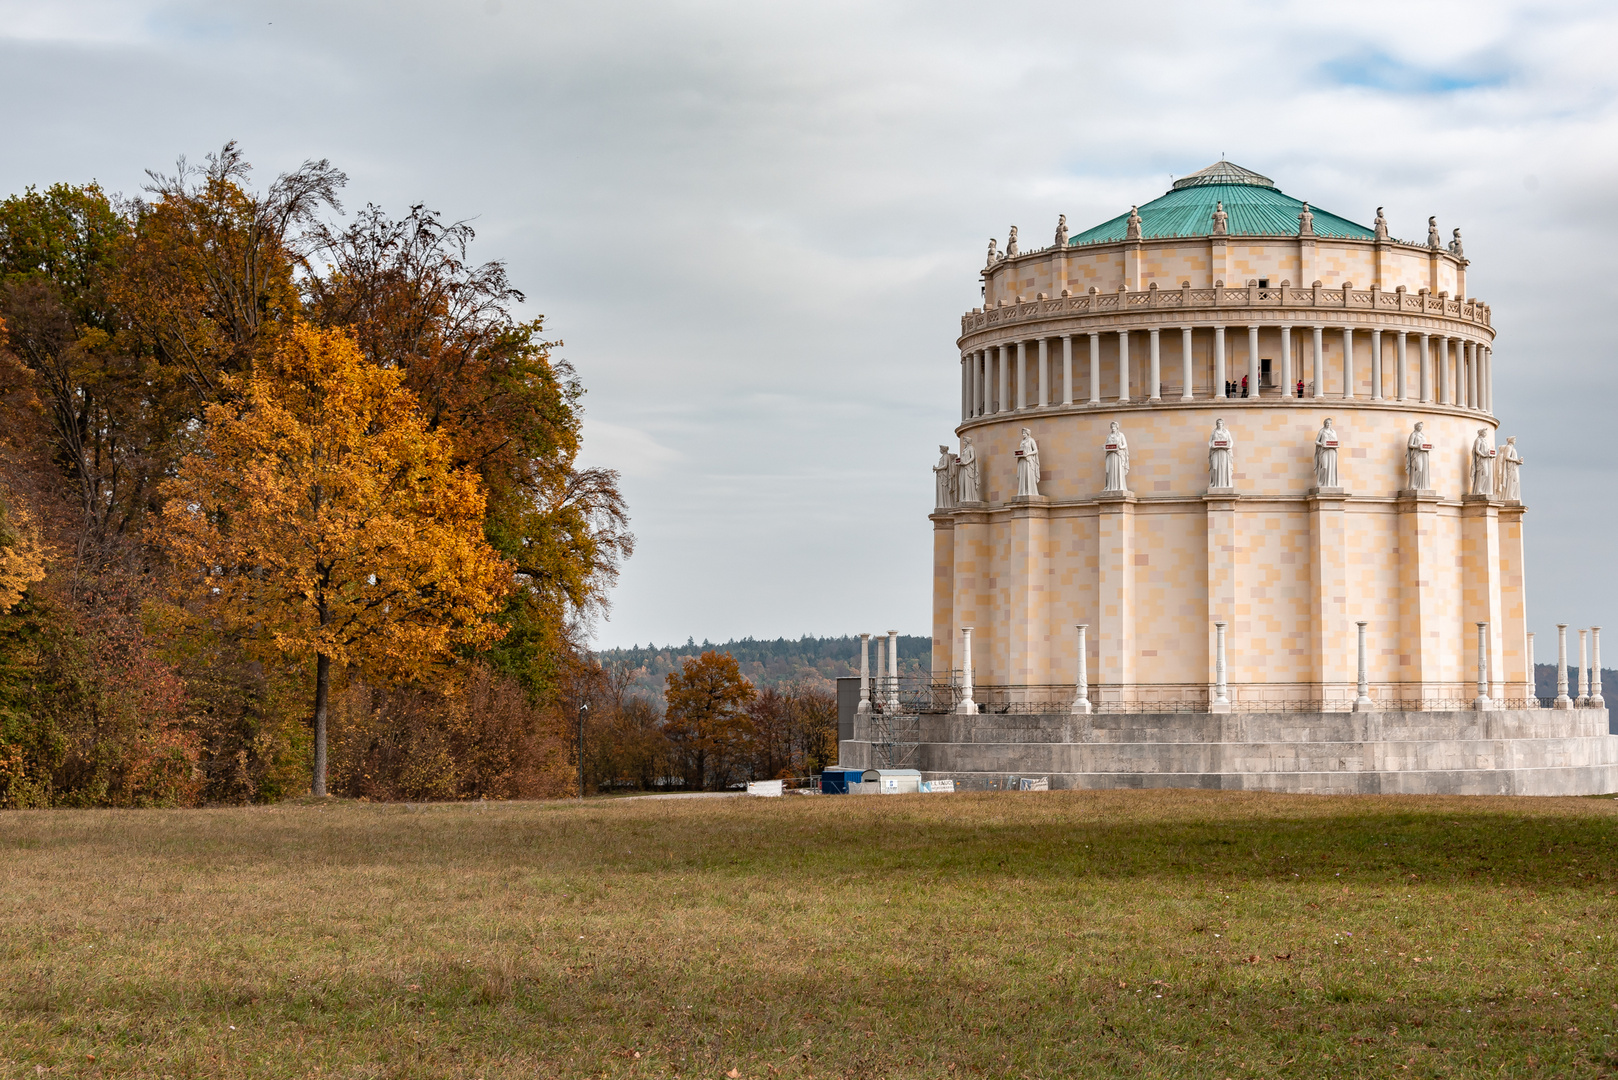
[705, 717]
[320, 516]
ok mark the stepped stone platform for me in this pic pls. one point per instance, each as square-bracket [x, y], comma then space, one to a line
[1504, 752]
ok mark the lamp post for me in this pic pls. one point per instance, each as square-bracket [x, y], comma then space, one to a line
[582, 710]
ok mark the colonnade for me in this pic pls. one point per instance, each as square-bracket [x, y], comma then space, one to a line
[1453, 370]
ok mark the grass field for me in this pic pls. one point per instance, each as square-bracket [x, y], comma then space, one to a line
[1039, 934]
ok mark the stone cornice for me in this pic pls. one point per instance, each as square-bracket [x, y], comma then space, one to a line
[1105, 246]
[1135, 408]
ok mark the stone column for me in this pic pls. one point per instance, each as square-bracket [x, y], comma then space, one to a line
[1253, 372]
[1155, 383]
[1095, 368]
[1067, 369]
[1584, 687]
[1533, 687]
[1362, 698]
[1081, 693]
[1474, 383]
[1562, 700]
[1003, 402]
[893, 670]
[1022, 375]
[1482, 701]
[1488, 379]
[1376, 365]
[1044, 367]
[1286, 361]
[1423, 343]
[1219, 362]
[879, 684]
[967, 705]
[1399, 376]
[1445, 388]
[966, 389]
[1596, 700]
[1319, 361]
[1123, 366]
[1185, 363]
[1348, 363]
[865, 674]
[1221, 699]
[980, 386]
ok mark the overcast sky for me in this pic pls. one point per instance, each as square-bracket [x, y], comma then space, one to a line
[755, 225]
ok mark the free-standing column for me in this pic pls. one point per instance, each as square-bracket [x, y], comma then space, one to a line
[1185, 363]
[1482, 702]
[1445, 387]
[1474, 383]
[1123, 366]
[1095, 369]
[879, 683]
[1022, 374]
[1423, 343]
[1348, 362]
[1584, 687]
[1399, 375]
[1155, 385]
[1488, 379]
[1362, 697]
[966, 386]
[1596, 700]
[1067, 369]
[1253, 372]
[1044, 366]
[1562, 700]
[1221, 698]
[1220, 379]
[967, 705]
[893, 670]
[1376, 365]
[1003, 402]
[1081, 694]
[865, 674]
[1533, 688]
[1286, 361]
[1319, 362]
[981, 386]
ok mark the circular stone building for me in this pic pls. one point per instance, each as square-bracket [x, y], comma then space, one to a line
[1230, 430]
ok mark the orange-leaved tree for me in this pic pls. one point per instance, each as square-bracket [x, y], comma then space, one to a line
[706, 719]
[318, 517]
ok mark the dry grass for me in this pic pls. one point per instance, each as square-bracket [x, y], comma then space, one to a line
[1060, 934]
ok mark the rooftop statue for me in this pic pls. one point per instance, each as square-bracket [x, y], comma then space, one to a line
[1027, 465]
[1326, 443]
[1011, 243]
[1508, 482]
[1455, 246]
[994, 251]
[1418, 464]
[1221, 456]
[1132, 226]
[1306, 222]
[1061, 230]
[966, 476]
[1381, 225]
[1432, 234]
[1220, 219]
[1117, 460]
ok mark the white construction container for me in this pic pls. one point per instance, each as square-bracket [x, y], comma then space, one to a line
[893, 781]
[770, 789]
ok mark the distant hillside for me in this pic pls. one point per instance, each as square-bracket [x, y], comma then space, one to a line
[813, 661]
[1545, 680]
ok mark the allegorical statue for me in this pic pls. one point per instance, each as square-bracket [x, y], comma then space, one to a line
[1483, 463]
[1418, 466]
[1433, 240]
[1380, 225]
[994, 251]
[1061, 230]
[944, 479]
[1326, 456]
[1455, 246]
[1221, 220]
[1117, 451]
[1011, 243]
[1027, 465]
[1508, 480]
[966, 473]
[1221, 456]
[1306, 222]
[1132, 224]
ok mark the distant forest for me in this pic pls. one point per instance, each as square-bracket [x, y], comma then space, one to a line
[1545, 680]
[813, 662]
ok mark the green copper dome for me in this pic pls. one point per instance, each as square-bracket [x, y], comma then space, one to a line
[1255, 206]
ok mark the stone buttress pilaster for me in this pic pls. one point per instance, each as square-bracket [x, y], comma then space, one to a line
[1515, 671]
[944, 623]
[1480, 586]
[1420, 662]
[971, 563]
[1115, 590]
[1026, 638]
[1331, 637]
[1220, 506]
